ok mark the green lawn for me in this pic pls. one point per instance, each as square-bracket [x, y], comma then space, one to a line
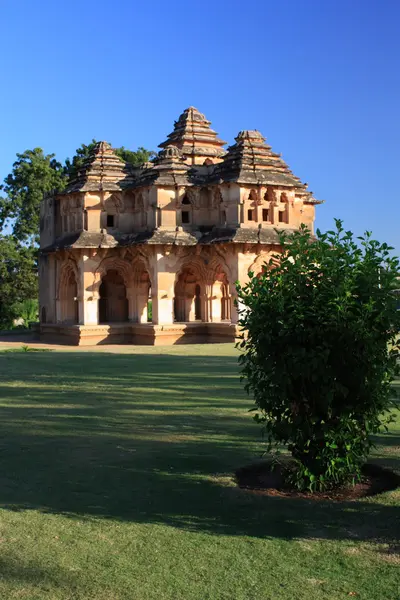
[116, 483]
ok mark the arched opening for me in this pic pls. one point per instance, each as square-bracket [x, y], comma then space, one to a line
[186, 211]
[142, 307]
[113, 302]
[43, 315]
[225, 303]
[252, 206]
[283, 216]
[188, 299]
[69, 299]
[221, 301]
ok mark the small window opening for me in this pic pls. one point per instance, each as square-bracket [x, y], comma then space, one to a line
[185, 201]
[281, 216]
[223, 217]
[265, 214]
[110, 220]
[185, 217]
[250, 215]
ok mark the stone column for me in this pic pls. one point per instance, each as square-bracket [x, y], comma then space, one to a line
[216, 307]
[88, 294]
[275, 207]
[163, 292]
[132, 312]
[58, 310]
[141, 304]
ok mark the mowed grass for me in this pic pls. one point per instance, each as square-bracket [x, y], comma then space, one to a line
[116, 483]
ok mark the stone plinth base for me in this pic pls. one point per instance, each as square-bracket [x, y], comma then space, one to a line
[140, 334]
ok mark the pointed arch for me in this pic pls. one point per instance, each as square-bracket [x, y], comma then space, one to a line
[125, 296]
[68, 293]
[220, 309]
[186, 207]
[261, 264]
[283, 216]
[189, 291]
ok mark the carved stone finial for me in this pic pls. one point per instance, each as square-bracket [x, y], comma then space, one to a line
[170, 152]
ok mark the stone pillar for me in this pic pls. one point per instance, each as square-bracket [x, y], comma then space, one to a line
[131, 306]
[216, 306]
[141, 303]
[58, 310]
[163, 293]
[88, 294]
[275, 208]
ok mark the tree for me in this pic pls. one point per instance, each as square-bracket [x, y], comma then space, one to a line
[18, 278]
[320, 351]
[34, 174]
[72, 167]
[137, 158]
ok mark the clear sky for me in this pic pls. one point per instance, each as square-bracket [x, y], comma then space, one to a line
[319, 78]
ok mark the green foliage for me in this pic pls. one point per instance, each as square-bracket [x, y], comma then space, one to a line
[23, 349]
[34, 174]
[137, 158]
[320, 350]
[72, 167]
[18, 279]
[28, 311]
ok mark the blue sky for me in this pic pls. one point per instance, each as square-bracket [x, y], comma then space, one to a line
[320, 79]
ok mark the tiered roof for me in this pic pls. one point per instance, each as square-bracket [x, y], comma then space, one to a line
[251, 160]
[193, 135]
[102, 170]
[169, 168]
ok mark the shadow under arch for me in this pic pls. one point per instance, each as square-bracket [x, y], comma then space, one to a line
[123, 288]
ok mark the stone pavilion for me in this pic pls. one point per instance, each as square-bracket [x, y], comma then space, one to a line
[151, 254]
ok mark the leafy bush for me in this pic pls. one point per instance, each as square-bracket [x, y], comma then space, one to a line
[27, 311]
[320, 350]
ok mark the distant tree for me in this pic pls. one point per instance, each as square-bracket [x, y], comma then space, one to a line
[18, 278]
[72, 167]
[34, 174]
[320, 350]
[135, 158]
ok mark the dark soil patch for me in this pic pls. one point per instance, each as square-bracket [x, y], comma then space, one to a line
[269, 479]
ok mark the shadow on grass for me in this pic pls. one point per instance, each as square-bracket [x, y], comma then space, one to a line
[152, 439]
